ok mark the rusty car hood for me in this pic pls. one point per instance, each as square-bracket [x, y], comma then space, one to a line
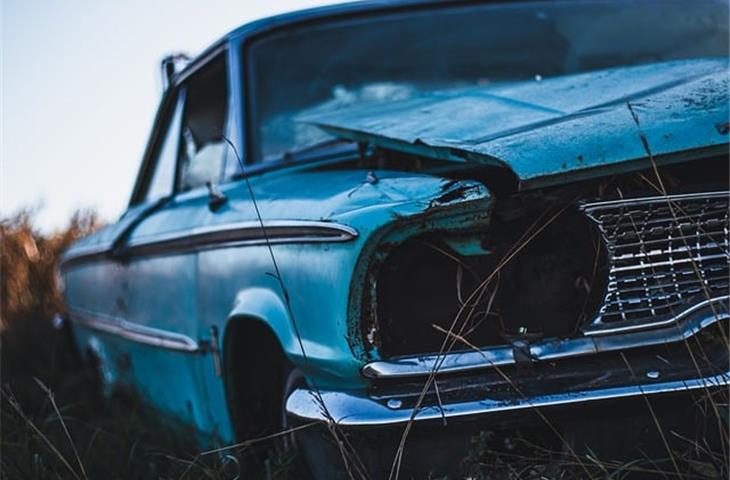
[549, 131]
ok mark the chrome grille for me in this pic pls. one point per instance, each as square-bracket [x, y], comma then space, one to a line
[666, 255]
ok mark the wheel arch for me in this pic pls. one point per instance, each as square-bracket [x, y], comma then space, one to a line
[256, 335]
[258, 308]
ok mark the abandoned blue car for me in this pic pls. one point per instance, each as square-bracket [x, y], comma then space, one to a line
[401, 220]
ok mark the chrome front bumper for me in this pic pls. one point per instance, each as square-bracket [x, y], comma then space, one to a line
[352, 410]
[592, 382]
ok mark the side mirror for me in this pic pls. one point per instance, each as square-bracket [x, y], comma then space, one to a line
[216, 198]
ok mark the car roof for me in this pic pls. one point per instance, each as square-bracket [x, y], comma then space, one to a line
[328, 11]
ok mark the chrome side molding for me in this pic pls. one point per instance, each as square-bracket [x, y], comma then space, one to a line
[246, 233]
[551, 349]
[350, 410]
[134, 332]
[222, 236]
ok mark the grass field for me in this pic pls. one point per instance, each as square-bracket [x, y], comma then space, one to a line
[55, 421]
[57, 424]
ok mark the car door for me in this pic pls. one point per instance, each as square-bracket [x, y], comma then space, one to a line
[160, 285]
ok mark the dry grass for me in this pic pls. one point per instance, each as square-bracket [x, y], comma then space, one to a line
[55, 423]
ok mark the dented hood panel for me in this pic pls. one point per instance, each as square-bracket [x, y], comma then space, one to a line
[559, 129]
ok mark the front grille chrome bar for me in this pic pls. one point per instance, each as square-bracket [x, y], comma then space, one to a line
[665, 255]
[690, 322]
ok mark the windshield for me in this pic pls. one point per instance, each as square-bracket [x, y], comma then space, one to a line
[395, 56]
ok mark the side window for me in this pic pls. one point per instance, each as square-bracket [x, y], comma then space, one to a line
[163, 176]
[203, 150]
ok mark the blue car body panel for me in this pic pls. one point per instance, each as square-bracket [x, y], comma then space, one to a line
[190, 292]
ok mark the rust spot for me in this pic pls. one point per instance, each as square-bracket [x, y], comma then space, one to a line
[452, 195]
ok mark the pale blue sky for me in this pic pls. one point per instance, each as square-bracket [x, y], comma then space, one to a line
[79, 90]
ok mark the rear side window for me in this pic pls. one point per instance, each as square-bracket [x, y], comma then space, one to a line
[163, 177]
[203, 151]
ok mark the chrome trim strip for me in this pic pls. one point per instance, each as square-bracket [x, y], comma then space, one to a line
[659, 252]
[351, 410]
[655, 199]
[692, 259]
[277, 231]
[134, 332]
[226, 235]
[553, 349]
[659, 323]
[84, 255]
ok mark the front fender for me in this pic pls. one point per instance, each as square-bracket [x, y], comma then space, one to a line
[264, 305]
[329, 364]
